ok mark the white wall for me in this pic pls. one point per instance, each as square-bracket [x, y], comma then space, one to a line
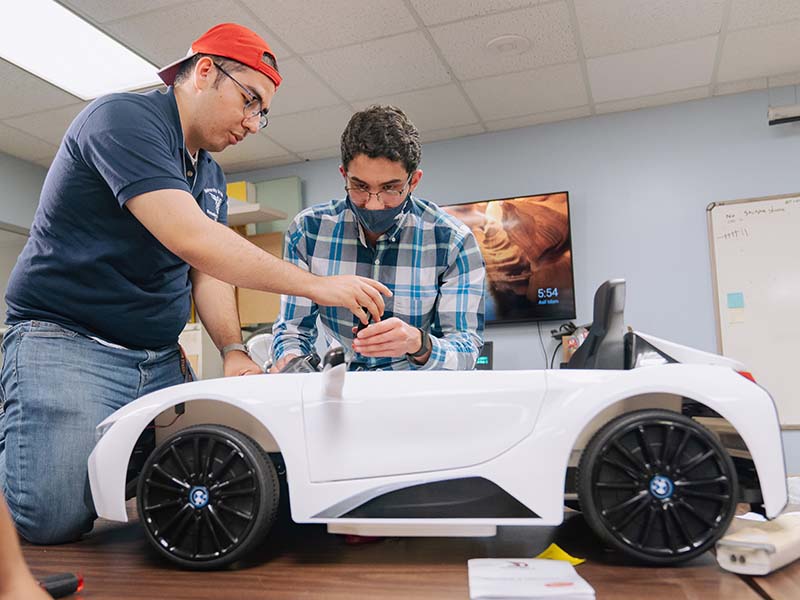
[20, 185]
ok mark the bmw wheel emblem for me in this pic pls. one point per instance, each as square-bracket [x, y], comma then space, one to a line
[661, 487]
[198, 497]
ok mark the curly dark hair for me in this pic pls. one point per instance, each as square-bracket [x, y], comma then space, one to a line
[382, 132]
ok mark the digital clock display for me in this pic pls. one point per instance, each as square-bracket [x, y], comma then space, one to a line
[547, 295]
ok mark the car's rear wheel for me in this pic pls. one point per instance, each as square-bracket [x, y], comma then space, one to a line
[658, 486]
[207, 496]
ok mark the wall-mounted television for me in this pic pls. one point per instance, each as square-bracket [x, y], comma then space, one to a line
[527, 246]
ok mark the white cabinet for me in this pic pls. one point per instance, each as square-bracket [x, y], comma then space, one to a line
[201, 351]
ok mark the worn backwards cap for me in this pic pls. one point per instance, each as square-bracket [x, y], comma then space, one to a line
[231, 41]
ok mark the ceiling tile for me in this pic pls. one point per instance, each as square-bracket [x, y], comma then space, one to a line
[24, 93]
[313, 25]
[781, 80]
[443, 11]
[381, 67]
[547, 27]
[300, 90]
[49, 125]
[651, 71]
[254, 165]
[451, 133]
[613, 26]
[254, 147]
[332, 152]
[655, 100]
[22, 145]
[538, 119]
[45, 162]
[155, 35]
[757, 13]
[434, 108]
[101, 11]
[517, 94]
[761, 52]
[321, 128]
[737, 87]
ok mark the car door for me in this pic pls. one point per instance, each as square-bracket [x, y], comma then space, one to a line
[392, 423]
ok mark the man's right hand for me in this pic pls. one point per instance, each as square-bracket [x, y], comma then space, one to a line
[358, 294]
[282, 362]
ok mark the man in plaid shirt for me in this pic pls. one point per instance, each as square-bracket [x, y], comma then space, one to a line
[430, 261]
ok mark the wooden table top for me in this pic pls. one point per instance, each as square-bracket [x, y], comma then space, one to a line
[304, 561]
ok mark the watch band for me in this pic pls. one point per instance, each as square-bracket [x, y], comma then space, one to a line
[426, 345]
[232, 347]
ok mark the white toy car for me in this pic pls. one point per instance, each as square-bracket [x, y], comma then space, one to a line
[455, 453]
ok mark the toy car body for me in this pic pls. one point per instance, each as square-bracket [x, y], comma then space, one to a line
[391, 452]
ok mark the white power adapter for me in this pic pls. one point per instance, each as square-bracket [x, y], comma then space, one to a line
[760, 547]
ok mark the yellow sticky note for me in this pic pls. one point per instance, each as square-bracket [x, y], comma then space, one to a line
[553, 552]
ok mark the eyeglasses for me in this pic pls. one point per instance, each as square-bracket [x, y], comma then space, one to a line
[253, 107]
[359, 192]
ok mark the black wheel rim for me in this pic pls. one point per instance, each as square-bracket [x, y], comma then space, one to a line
[200, 496]
[663, 488]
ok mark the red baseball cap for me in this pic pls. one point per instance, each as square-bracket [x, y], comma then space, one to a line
[231, 41]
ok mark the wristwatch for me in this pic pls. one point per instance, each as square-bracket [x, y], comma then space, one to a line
[232, 347]
[426, 345]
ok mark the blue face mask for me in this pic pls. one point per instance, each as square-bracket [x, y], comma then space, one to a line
[378, 221]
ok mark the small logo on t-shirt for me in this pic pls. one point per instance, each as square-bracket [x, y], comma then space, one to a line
[216, 197]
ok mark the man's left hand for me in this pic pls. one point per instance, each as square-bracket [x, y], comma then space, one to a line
[391, 338]
[238, 363]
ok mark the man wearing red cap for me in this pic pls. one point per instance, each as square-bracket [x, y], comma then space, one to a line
[130, 226]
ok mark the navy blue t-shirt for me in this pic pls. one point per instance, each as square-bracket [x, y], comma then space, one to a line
[89, 265]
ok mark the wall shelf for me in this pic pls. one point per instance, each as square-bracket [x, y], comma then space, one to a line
[241, 213]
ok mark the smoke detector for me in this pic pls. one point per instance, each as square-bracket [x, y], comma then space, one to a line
[508, 45]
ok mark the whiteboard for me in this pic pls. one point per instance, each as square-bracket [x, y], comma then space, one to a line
[755, 262]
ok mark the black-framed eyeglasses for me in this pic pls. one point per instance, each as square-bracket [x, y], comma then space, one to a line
[359, 192]
[253, 107]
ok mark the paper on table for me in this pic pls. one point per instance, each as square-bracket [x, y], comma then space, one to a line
[525, 578]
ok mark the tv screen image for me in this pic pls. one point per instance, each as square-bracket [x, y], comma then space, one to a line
[527, 247]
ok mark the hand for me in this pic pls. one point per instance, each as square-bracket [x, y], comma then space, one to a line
[22, 586]
[282, 362]
[359, 294]
[391, 338]
[238, 363]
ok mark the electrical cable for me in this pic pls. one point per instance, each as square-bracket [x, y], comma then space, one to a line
[541, 342]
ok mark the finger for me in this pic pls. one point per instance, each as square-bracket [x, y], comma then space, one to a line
[360, 313]
[378, 286]
[379, 328]
[373, 294]
[372, 308]
[391, 350]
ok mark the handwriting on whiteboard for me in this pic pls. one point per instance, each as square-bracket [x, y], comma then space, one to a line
[735, 234]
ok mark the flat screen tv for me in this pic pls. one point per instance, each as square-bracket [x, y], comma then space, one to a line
[527, 247]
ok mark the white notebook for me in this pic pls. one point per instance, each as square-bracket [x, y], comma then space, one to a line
[525, 578]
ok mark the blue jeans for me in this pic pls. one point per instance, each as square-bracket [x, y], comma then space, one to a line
[57, 385]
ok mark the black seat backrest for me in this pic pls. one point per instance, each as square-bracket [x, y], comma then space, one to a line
[604, 347]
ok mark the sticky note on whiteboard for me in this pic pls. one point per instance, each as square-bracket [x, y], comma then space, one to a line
[735, 315]
[736, 300]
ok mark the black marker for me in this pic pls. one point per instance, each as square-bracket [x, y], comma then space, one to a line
[62, 584]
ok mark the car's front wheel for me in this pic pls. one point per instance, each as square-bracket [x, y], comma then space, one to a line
[207, 496]
[658, 486]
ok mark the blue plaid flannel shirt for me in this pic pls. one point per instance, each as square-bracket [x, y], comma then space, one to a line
[430, 261]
